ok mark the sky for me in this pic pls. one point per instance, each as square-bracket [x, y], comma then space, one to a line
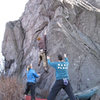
[10, 10]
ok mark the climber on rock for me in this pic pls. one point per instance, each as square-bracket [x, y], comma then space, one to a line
[31, 81]
[42, 51]
[62, 78]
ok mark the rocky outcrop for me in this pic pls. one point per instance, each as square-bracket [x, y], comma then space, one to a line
[12, 47]
[72, 26]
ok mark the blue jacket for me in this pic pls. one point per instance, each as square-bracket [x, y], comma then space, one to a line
[31, 76]
[61, 68]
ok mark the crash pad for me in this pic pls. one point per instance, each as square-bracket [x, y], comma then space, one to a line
[29, 98]
[87, 93]
[40, 99]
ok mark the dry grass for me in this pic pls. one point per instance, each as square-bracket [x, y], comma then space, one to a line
[44, 93]
[11, 88]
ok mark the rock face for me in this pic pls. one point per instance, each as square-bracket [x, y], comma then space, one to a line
[72, 26]
[12, 47]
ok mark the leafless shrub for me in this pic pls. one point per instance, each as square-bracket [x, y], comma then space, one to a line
[44, 93]
[11, 88]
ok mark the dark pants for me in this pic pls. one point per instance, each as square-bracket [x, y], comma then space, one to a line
[30, 87]
[59, 84]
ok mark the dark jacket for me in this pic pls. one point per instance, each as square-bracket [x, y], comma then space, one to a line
[42, 43]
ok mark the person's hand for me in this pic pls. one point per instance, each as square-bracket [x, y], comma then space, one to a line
[39, 74]
[65, 55]
[39, 64]
[48, 57]
[45, 50]
[45, 33]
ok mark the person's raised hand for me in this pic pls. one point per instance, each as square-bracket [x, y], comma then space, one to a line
[39, 74]
[48, 57]
[65, 55]
[45, 33]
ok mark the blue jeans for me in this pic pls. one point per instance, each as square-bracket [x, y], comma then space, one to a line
[59, 84]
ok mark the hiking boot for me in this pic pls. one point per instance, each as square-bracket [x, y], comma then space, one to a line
[24, 97]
